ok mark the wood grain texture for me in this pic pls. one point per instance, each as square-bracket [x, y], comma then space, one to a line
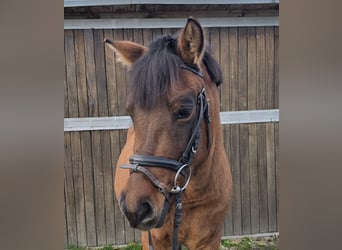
[234, 129]
[252, 135]
[270, 147]
[158, 23]
[127, 35]
[261, 128]
[75, 146]
[104, 144]
[70, 212]
[120, 73]
[90, 76]
[276, 67]
[225, 105]
[74, 3]
[276, 159]
[243, 133]
[85, 143]
[114, 139]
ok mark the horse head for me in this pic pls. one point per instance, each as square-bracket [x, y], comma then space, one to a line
[173, 101]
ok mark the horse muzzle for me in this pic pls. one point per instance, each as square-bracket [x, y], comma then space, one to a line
[144, 215]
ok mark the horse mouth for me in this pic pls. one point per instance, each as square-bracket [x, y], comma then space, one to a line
[145, 218]
[146, 224]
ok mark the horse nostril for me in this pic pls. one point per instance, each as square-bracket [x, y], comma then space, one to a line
[145, 211]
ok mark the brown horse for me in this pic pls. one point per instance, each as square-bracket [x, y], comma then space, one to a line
[174, 160]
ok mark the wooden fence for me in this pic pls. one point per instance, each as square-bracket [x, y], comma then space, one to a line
[95, 87]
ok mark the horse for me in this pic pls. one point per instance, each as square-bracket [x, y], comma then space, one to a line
[173, 179]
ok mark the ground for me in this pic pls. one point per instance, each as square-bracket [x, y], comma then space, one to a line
[260, 243]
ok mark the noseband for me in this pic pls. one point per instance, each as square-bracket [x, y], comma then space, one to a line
[140, 163]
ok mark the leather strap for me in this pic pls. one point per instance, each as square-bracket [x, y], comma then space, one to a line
[193, 69]
[161, 186]
[147, 160]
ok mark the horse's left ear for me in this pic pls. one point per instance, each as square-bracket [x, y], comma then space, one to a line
[191, 42]
[128, 52]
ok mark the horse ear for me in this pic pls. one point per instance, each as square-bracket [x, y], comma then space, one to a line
[128, 52]
[191, 42]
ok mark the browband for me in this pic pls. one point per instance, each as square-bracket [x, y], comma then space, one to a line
[193, 69]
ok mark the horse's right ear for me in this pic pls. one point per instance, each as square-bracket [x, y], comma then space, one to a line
[191, 42]
[128, 52]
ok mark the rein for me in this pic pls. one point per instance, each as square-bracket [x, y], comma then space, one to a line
[140, 163]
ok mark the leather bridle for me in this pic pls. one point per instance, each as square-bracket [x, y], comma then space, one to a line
[141, 163]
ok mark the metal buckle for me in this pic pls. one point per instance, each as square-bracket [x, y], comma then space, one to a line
[176, 189]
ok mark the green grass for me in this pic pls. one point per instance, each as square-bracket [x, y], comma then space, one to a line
[243, 244]
[246, 243]
[130, 246]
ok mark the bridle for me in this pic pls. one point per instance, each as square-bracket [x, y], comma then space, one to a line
[140, 163]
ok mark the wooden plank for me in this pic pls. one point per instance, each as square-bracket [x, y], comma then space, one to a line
[271, 178]
[85, 139]
[176, 12]
[261, 128]
[214, 42]
[244, 162]
[113, 135]
[98, 188]
[225, 105]
[214, 45]
[101, 84]
[128, 35]
[78, 186]
[75, 139]
[276, 162]
[110, 76]
[70, 211]
[108, 186]
[269, 43]
[69, 206]
[234, 130]
[98, 140]
[157, 23]
[118, 219]
[252, 139]
[254, 178]
[66, 100]
[276, 67]
[102, 98]
[270, 96]
[79, 3]
[95, 138]
[81, 74]
[71, 73]
[147, 37]
[90, 76]
[120, 79]
[124, 122]
[88, 177]
[276, 126]
[65, 220]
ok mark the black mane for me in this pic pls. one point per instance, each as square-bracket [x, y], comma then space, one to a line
[152, 74]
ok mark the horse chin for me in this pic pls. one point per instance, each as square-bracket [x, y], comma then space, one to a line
[146, 224]
[144, 227]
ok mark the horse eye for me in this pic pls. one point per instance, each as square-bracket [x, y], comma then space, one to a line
[183, 113]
